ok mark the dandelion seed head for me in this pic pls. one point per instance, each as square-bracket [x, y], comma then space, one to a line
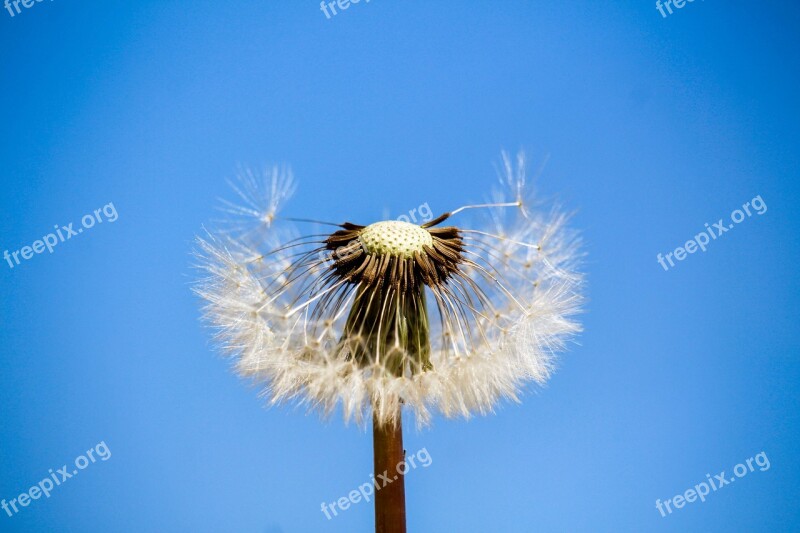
[369, 318]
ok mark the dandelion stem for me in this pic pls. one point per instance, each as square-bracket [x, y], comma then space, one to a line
[390, 493]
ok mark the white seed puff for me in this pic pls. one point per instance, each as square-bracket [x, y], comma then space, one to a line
[391, 314]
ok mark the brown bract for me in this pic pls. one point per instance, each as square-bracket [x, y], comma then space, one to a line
[388, 323]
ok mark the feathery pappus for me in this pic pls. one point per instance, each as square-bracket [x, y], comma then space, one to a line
[439, 316]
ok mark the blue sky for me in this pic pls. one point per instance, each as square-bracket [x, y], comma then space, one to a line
[651, 127]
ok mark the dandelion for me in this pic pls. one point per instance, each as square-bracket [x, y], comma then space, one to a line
[371, 318]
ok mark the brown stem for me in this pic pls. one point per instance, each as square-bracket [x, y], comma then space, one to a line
[390, 499]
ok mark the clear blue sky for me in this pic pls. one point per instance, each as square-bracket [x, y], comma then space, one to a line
[653, 127]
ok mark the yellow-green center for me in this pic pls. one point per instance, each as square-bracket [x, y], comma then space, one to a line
[394, 237]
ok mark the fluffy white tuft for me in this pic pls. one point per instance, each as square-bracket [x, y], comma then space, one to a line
[522, 260]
